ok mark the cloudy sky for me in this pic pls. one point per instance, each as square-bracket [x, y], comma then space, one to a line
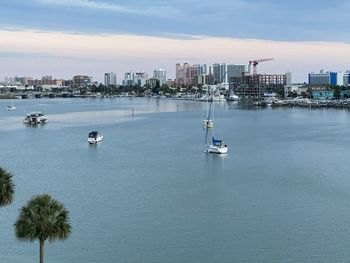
[67, 37]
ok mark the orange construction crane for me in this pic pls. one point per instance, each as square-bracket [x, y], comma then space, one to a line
[255, 63]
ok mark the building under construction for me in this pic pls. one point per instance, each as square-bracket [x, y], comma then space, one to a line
[257, 85]
[254, 85]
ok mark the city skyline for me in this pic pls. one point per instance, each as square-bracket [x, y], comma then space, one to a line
[94, 37]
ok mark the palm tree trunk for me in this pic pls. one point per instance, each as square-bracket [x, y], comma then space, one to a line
[42, 251]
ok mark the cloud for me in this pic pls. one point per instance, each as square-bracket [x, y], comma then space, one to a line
[158, 10]
[95, 54]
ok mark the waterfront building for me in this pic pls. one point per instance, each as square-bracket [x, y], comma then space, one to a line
[81, 80]
[17, 80]
[139, 78]
[152, 82]
[160, 75]
[182, 74]
[275, 79]
[258, 85]
[45, 81]
[110, 79]
[323, 78]
[135, 78]
[128, 79]
[323, 94]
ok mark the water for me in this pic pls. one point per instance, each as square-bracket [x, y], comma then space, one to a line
[148, 193]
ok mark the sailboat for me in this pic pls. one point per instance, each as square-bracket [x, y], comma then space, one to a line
[11, 107]
[208, 123]
[215, 145]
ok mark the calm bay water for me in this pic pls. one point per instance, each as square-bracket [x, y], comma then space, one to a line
[149, 194]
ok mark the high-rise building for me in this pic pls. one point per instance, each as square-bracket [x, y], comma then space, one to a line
[220, 73]
[160, 75]
[323, 78]
[128, 79]
[110, 79]
[135, 78]
[204, 69]
[183, 74]
[237, 71]
[346, 78]
[139, 78]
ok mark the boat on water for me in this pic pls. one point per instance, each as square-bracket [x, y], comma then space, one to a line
[233, 97]
[11, 107]
[35, 118]
[216, 145]
[94, 137]
[207, 124]
[214, 97]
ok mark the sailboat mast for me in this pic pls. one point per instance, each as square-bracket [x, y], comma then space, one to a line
[207, 128]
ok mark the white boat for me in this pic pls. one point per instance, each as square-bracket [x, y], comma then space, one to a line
[94, 137]
[11, 107]
[233, 97]
[215, 146]
[35, 118]
[207, 124]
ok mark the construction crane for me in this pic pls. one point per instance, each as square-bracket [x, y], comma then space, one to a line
[255, 63]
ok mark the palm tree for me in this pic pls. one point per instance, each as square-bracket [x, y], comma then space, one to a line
[7, 187]
[43, 218]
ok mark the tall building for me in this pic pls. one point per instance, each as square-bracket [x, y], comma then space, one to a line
[128, 80]
[110, 79]
[220, 73]
[135, 78]
[194, 72]
[346, 78]
[183, 74]
[140, 78]
[323, 78]
[237, 71]
[204, 69]
[160, 75]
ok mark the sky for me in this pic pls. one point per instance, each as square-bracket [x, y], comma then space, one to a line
[63, 38]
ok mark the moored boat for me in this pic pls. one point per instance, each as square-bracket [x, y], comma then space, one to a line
[94, 137]
[35, 118]
[217, 146]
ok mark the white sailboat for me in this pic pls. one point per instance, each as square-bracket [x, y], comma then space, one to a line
[11, 107]
[215, 145]
[207, 122]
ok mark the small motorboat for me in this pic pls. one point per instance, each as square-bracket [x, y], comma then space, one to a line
[35, 118]
[95, 137]
[11, 107]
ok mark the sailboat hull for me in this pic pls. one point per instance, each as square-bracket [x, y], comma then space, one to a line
[216, 149]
